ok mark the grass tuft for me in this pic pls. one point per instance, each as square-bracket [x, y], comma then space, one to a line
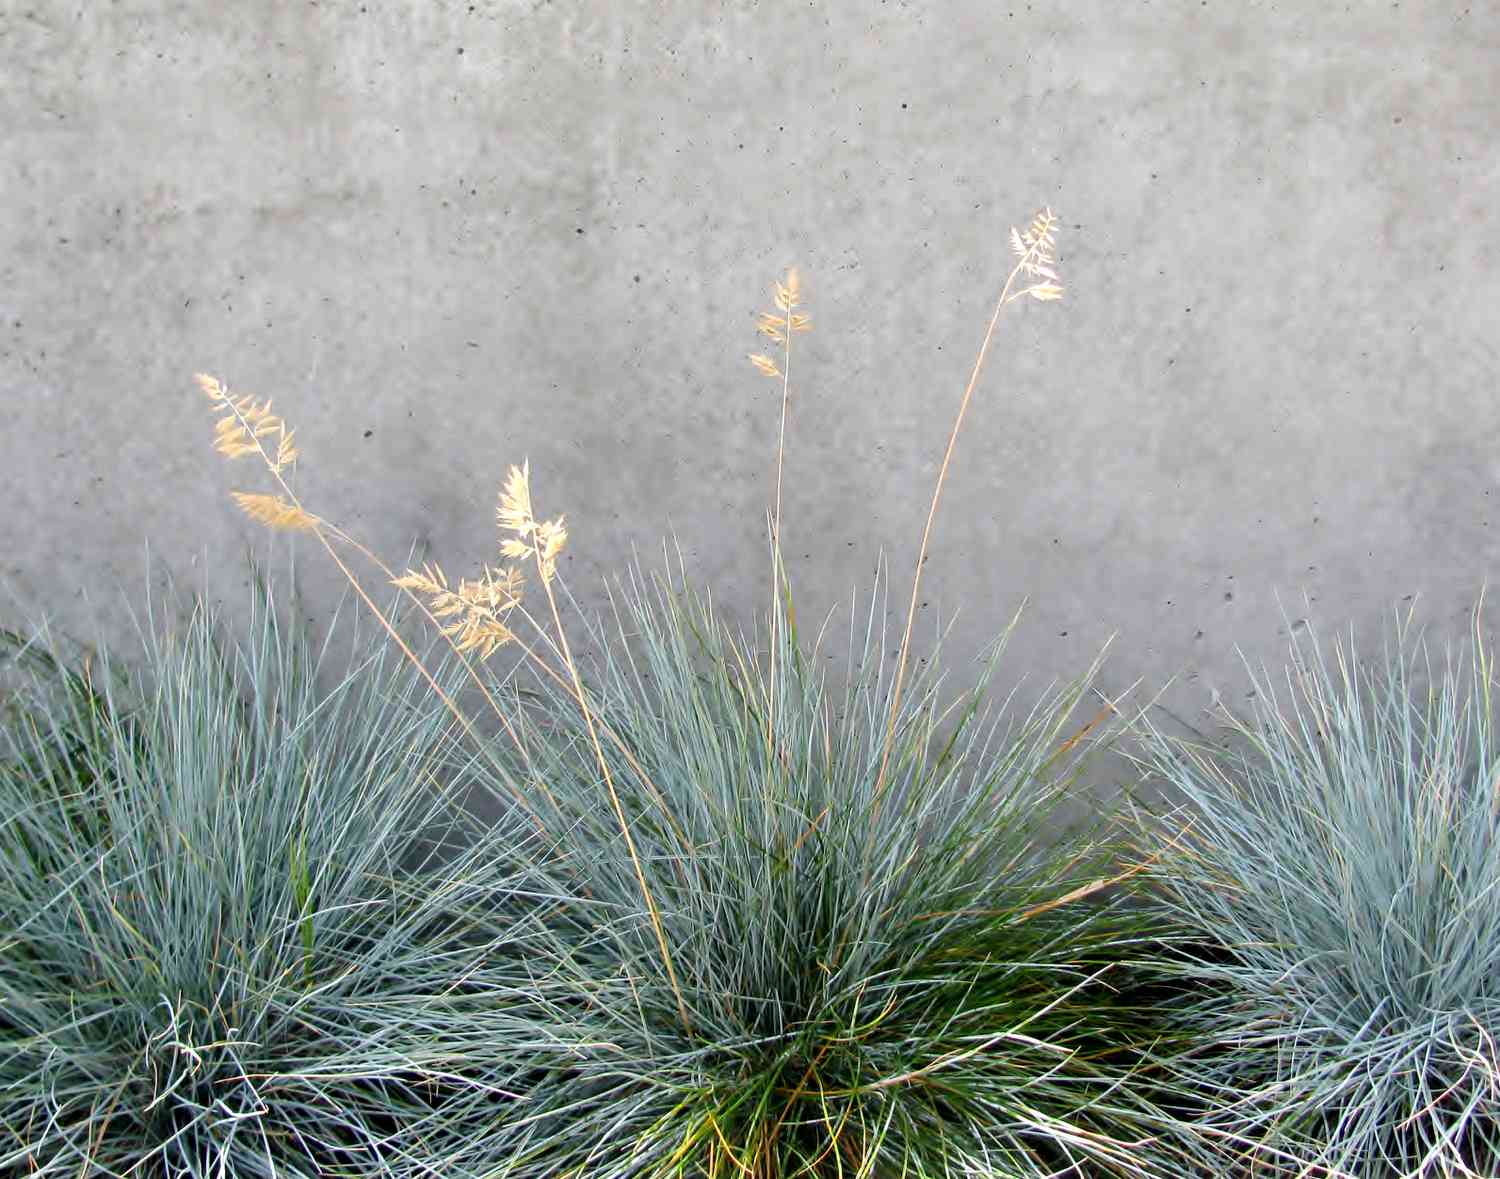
[238, 915]
[1335, 864]
[932, 985]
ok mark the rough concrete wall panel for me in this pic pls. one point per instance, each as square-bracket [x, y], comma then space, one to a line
[445, 236]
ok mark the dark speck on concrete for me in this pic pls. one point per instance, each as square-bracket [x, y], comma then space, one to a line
[369, 433]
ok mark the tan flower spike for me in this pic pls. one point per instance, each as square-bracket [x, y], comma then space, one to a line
[1034, 249]
[789, 292]
[542, 540]
[245, 423]
[777, 328]
[275, 512]
[771, 326]
[479, 606]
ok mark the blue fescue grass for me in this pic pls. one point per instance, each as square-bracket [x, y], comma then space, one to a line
[916, 972]
[1336, 863]
[800, 932]
[224, 949]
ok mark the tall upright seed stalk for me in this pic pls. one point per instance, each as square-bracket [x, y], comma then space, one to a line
[1034, 259]
[542, 541]
[481, 606]
[779, 329]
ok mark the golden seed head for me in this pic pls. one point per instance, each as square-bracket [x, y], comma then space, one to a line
[275, 512]
[551, 536]
[478, 606]
[541, 540]
[789, 292]
[771, 326]
[430, 581]
[246, 421]
[777, 328]
[1034, 249]
[514, 511]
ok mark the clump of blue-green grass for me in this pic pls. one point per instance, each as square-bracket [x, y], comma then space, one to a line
[1336, 863]
[918, 973]
[238, 916]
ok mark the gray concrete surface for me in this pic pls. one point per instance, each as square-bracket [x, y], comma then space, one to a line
[447, 236]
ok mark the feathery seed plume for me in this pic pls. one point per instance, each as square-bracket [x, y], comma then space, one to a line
[777, 328]
[542, 540]
[275, 512]
[788, 293]
[1034, 248]
[246, 422]
[480, 605]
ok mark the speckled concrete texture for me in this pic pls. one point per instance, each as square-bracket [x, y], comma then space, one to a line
[447, 236]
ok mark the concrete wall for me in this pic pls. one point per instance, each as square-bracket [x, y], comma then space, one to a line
[446, 236]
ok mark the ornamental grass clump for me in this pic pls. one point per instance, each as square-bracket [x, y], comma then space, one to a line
[1336, 862]
[888, 954]
[806, 932]
[236, 931]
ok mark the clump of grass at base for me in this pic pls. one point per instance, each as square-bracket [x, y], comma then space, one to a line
[224, 951]
[1336, 863]
[909, 972]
